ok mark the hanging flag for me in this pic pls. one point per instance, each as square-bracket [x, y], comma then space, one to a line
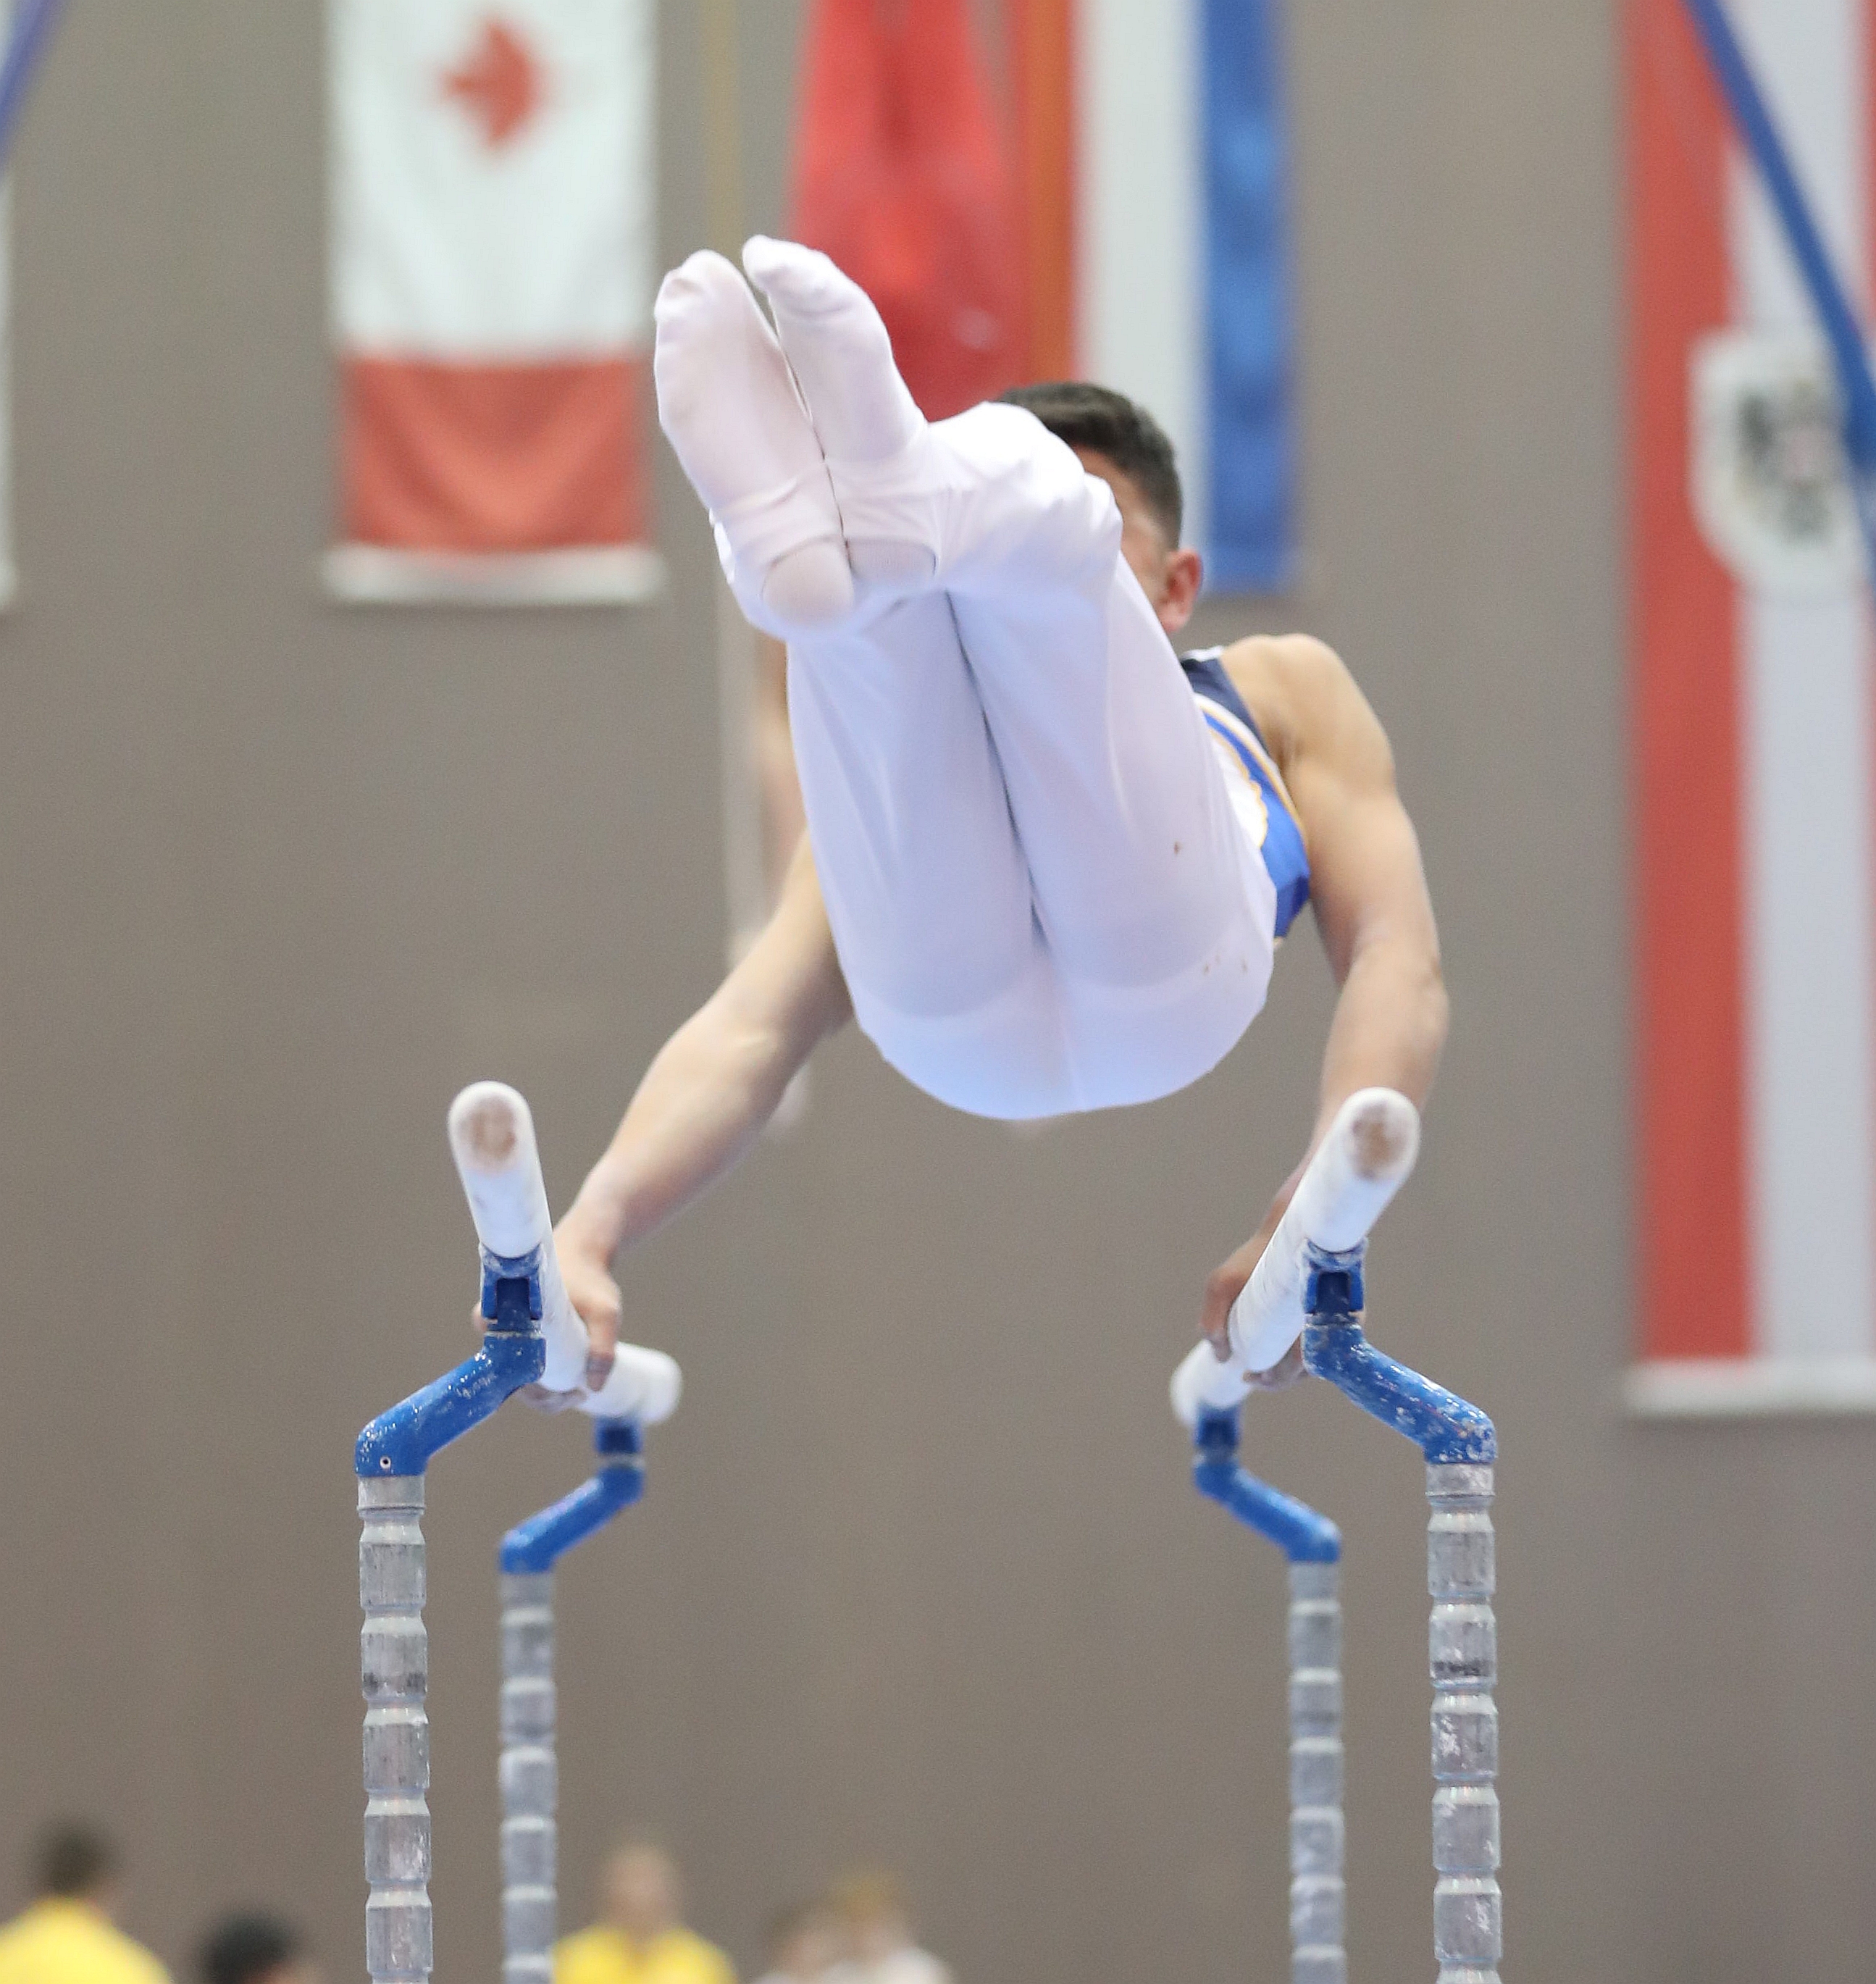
[1751, 660]
[902, 174]
[1155, 168]
[1041, 40]
[494, 247]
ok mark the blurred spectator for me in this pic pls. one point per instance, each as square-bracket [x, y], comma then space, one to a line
[805, 1945]
[640, 1937]
[880, 1946]
[256, 1949]
[68, 1935]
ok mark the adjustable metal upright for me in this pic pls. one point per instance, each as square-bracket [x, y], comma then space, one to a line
[529, 1775]
[1308, 1282]
[1459, 1447]
[1313, 1544]
[392, 1453]
[531, 1334]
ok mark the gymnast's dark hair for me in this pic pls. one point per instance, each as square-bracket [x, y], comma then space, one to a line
[1097, 417]
[244, 1948]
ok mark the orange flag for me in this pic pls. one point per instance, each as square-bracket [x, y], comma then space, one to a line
[902, 174]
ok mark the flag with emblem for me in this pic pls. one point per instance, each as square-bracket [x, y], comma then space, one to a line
[1754, 744]
[493, 245]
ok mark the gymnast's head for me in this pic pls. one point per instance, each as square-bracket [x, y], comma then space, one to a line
[1126, 447]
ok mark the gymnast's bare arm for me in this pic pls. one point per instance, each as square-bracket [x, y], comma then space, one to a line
[1370, 896]
[705, 1099]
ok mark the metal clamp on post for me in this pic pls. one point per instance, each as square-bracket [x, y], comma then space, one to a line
[1318, 1903]
[533, 1335]
[530, 1771]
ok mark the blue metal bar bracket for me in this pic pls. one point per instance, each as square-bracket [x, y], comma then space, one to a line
[1297, 1529]
[539, 1543]
[1829, 295]
[1447, 1430]
[403, 1440]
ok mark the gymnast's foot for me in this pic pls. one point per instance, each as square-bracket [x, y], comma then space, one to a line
[877, 444]
[726, 401]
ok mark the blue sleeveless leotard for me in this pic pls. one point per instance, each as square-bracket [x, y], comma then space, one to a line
[1285, 855]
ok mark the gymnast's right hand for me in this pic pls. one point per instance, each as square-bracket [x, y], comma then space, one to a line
[586, 1269]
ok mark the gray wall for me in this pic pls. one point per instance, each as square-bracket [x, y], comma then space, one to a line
[921, 1578]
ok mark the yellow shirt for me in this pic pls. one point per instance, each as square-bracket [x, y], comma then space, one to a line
[62, 1941]
[602, 1955]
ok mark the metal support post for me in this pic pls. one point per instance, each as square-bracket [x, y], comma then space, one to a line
[1460, 1447]
[395, 1670]
[529, 1780]
[530, 1770]
[392, 1453]
[1463, 1647]
[1319, 1906]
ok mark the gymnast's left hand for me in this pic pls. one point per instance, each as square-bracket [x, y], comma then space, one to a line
[587, 1274]
[1224, 1285]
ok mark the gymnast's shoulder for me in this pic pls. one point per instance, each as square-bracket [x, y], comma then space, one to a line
[1297, 687]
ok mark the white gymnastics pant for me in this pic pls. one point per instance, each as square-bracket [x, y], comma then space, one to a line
[1042, 897]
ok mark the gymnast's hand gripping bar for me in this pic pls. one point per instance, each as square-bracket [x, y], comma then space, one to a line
[1363, 1161]
[530, 1768]
[532, 1335]
[492, 1134]
[1318, 1908]
[1370, 1150]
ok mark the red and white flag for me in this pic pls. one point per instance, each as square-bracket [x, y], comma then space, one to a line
[493, 243]
[1752, 679]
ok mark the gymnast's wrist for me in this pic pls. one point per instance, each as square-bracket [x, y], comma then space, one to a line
[594, 1226]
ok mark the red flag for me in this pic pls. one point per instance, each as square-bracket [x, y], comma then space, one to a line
[902, 176]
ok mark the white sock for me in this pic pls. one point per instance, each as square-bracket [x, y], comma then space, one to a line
[727, 402]
[876, 442]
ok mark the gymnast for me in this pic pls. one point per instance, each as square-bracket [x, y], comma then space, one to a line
[1048, 860]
